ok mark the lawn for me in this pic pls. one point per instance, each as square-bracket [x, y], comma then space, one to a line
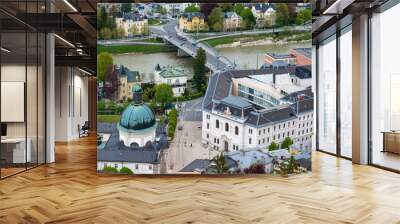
[138, 48]
[108, 118]
[155, 22]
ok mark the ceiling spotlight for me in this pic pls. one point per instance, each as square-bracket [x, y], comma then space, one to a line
[70, 5]
[84, 71]
[5, 50]
[64, 40]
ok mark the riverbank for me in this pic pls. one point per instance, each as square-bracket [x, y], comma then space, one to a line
[288, 37]
[137, 48]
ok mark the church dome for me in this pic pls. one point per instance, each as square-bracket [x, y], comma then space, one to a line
[137, 117]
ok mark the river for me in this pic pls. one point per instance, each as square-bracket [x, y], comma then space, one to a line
[245, 57]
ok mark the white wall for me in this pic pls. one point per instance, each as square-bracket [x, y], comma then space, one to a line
[71, 102]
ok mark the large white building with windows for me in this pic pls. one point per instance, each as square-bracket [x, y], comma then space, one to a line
[264, 111]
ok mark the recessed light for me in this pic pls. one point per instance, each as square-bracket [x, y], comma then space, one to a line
[70, 5]
[5, 50]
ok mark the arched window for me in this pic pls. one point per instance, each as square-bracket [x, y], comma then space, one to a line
[226, 127]
[236, 130]
[217, 123]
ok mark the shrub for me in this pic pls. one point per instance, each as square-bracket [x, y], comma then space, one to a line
[172, 122]
[256, 168]
[110, 169]
[126, 170]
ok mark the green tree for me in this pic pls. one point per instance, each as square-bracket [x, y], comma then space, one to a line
[273, 146]
[248, 18]
[287, 142]
[101, 105]
[238, 8]
[216, 17]
[220, 163]
[172, 122]
[199, 68]
[126, 7]
[192, 8]
[164, 94]
[105, 34]
[303, 16]
[102, 19]
[104, 66]
[282, 14]
[126, 170]
[226, 7]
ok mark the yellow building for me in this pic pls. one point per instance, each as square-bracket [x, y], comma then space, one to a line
[191, 22]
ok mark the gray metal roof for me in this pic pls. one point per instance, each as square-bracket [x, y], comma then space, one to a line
[197, 164]
[236, 101]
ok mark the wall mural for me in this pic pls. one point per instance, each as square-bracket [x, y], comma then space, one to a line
[204, 88]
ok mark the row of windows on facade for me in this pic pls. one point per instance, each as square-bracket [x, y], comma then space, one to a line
[259, 132]
[150, 167]
[278, 137]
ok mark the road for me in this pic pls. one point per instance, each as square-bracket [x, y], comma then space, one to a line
[191, 110]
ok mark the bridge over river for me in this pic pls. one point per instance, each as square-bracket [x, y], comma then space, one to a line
[189, 45]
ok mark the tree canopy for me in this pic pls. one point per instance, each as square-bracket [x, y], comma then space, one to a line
[126, 7]
[164, 94]
[192, 8]
[287, 142]
[282, 14]
[248, 18]
[104, 65]
[199, 68]
[303, 16]
[216, 19]
[273, 146]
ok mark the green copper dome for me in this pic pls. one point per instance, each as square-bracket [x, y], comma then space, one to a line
[137, 117]
[137, 89]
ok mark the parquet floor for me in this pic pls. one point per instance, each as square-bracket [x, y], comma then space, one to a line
[70, 191]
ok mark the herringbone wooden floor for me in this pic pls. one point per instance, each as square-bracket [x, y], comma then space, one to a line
[70, 191]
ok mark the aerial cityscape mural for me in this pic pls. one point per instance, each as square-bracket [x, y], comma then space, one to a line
[204, 88]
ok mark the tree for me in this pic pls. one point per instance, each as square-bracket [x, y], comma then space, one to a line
[303, 16]
[282, 14]
[226, 7]
[192, 8]
[287, 142]
[164, 94]
[220, 163]
[256, 168]
[206, 8]
[273, 146]
[238, 8]
[126, 7]
[126, 170]
[216, 17]
[199, 68]
[105, 34]
[102, 19]
[248, 18]
[104, 66]
[101, 105]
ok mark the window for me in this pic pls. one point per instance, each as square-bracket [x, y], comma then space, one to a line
[250, 131]
[249, 140]
[116, 166]
[137, 166]
[208, 126]
[236, 130]
[327, 98]
[226, 127]
[208, 136]
[150, 167]
[217, 123]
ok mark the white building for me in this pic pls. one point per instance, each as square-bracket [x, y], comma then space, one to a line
[265, 14]
[173, 76]
[233, 123]
[131, 142]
